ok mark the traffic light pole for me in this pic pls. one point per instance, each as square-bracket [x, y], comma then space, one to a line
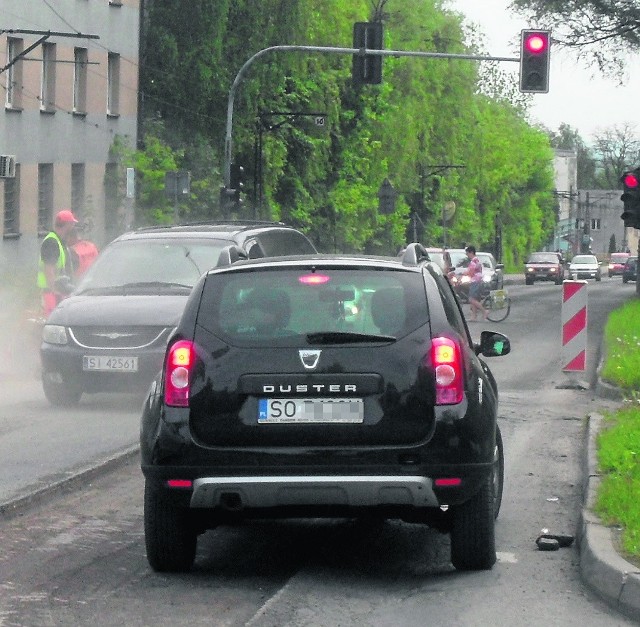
[228, 143]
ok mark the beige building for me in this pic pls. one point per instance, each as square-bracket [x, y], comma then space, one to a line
[70, 82]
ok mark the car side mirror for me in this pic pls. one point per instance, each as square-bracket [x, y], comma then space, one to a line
[493, 344]
[500, 266]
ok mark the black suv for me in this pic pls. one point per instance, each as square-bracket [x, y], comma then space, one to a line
[318, 386]
[110, 334]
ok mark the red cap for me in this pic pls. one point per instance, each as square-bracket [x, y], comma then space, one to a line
[65, 216]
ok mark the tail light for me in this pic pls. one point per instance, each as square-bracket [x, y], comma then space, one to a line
[178, 374]
[447, 365]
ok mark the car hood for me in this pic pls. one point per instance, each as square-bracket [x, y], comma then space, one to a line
[139, 310]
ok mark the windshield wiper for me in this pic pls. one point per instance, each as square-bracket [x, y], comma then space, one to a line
[341, 337]
[157, 284]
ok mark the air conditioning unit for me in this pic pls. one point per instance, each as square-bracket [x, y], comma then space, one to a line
[7, 166]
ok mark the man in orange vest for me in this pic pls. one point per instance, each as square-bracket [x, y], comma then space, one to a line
[55, 259]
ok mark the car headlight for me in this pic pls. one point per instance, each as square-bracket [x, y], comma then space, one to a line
[54, 334]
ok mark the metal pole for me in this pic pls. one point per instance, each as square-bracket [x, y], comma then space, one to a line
[228, 142]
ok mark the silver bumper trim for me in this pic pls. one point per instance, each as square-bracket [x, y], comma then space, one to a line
[353, 491]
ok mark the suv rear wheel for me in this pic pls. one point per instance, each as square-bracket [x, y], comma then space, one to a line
[473, 541]
[169, 533]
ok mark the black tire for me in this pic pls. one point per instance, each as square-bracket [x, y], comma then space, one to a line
[598, 277]
[624, 279]
[498, 472]
[473, 539]
[559, 280]
[496, 315]
[60, 394]
[528, 281]
[169, 533]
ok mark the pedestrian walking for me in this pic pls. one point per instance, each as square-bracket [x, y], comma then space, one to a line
[55, 259]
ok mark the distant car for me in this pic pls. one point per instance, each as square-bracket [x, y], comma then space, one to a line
[630, 270]
[544, 266]
[585, 267]
[109, 335]
[616, 264]
[276, 400]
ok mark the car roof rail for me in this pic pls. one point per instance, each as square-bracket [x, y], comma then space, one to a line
[229, 255]
[415, 254]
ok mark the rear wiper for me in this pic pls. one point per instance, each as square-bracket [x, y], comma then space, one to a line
[340, 337]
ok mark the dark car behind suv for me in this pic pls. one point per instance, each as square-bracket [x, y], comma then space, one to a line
[319, 386]
[544, 266]
[630, 270]
[111, 332]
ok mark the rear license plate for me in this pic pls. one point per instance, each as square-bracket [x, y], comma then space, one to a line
[105, 363]
[310, 410]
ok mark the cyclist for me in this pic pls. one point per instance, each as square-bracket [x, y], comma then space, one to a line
[474, 270]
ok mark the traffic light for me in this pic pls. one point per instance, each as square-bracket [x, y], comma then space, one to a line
[367, 69]
[631, 198]
[534, 61]
[236, 183]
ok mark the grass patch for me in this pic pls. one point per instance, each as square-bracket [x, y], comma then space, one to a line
[618, 443]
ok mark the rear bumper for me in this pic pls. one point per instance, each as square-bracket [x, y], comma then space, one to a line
[288, 491]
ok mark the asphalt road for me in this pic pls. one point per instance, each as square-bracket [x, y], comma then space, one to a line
[79, 558]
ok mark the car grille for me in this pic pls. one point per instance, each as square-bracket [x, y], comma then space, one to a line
[119, 337]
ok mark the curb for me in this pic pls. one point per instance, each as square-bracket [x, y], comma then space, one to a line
[614, 580]
[603, 569]
[77, 478]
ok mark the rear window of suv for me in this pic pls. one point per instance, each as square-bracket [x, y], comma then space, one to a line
[285, 305]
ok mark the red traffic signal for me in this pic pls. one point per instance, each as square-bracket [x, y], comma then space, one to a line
[534, 61]
[536, 43]
[629, 179]
[631, 198]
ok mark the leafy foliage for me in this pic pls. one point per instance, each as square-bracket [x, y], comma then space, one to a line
[459, 121]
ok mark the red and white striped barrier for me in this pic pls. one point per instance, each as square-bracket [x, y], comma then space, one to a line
[574, 326]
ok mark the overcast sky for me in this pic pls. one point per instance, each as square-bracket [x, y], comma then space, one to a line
[587, 102]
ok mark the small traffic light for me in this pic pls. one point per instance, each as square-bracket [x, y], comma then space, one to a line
[367, 69]
[534, 61]
[631, 198]
[236, 182]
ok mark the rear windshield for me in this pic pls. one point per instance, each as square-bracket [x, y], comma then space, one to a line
[284, 306]
[584, 259]
[619, 258]
[543, 258]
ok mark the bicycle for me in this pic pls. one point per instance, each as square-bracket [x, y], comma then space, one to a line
[497, 303]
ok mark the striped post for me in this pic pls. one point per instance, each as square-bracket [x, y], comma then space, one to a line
[574, 326]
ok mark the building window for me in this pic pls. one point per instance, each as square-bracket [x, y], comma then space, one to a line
[11, 226]
[14, 74]
[595, 224]
[80, 59]
[45, 197]
[48, 82]
[77, 189]
[113, 84]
